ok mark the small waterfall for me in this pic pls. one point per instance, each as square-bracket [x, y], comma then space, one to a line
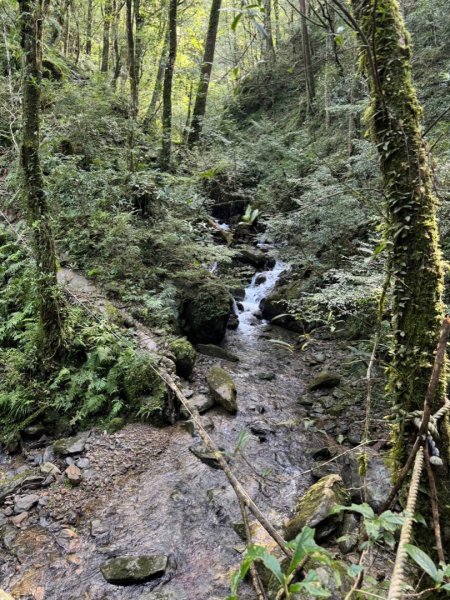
[254, 293]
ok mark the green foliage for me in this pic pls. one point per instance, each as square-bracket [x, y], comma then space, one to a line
[439, 575]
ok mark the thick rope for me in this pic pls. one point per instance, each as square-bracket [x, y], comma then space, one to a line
[398, 575]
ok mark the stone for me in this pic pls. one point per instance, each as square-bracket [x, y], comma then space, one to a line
[325, 380]
[73, 474]
[132, 570]
[349, 533]
[49, 468]
[15, 483]
[204, 312]
[233, 322]
[25, 503]
[222, 388]
[83, 463]
[315, 506]
[185, 357]
[217, 352]
[201, 403]
[260, 279]
[376, 483]
[202, 453]
[266, 376]
[261, 429]
[19, 519]
[71, 445]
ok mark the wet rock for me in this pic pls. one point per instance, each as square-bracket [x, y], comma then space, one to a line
[19, 519]
[8, 534]
[260, 279]
[306, 400]
[233, 322]
[325, 380]
[25, 503]
[67, 539]
[132, 570]
[49, 455]
[349, 533]
[73, 474]
[222, 388]
[203, 454]
[261, 429]
[72, 445]
[266, 376]
[315, 506]
[276, 306]
[317, 358]
[185, 357]
[217, 352]
[255, 257]
[204, 312]
[34, 431]
[48, 468]
[201, 403]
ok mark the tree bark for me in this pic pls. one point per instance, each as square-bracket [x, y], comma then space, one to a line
[107, 17]
[166, 149]
[396, 119]
[88, 47]
[269, 45]
[307, 59]
[198, 113]
[115, 43]
[153, 106]
[132, 72]
[37, 209]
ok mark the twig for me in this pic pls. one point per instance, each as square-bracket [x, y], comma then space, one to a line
[434, 506]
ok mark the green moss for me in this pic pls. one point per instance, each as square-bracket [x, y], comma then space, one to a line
[185, 356]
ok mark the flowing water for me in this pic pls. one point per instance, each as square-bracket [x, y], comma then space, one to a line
[147, 493]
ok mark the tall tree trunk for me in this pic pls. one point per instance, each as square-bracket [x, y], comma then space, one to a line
[307, 60]
[153, 106]
[166, 149]
[38, 214]
[107, 17]
[413, 238]
[132, 71]
[139, 46]
[269, 46]
[115, 43]
[89, 28]
[66, 36]
[276, 13]
[205, 74]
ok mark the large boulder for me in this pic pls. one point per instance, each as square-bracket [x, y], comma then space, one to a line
[325, 380]
[72, 445]
[315, 506]
[222, 388]
[276, 306]
[185, 357]
[217, 352]
[204, 312]
[255, 257]
[374, 486]
[129, 570]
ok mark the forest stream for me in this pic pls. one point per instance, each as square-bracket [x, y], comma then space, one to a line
[164, 499]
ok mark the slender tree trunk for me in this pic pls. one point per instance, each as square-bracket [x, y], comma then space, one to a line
[107, 17]
[166, 149]
[269, 46]
[307, 60]
[132, 71]
[153, 106]
[205, 74]
[396, 119]
[89, 28]
[139, 46]
[38, 214]
[66, 36]
[276, 13]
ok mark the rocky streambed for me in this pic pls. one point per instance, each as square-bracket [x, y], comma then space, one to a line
[154, 492]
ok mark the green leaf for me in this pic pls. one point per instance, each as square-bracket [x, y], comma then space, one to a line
[304, 544]
[423, 560]
[236, 20]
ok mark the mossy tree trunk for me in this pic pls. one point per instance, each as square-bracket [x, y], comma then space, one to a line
[89, 28]
[205, 74]
[154, 104]
[307, 58]
[417, 273]
[166, 149]
[38, 214]
[107, 18]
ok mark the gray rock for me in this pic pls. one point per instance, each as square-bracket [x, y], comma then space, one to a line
[83, 463]
[266, 376]
[49, 468]
[325, 380]
[132, 570]
[349, 532]
[25, 503]
[222, 388]
[217, 352]
[19, 519]
[377, 481]
[17, 482]
[72, 445]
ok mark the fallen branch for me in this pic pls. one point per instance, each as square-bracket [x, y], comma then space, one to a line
[434, 506]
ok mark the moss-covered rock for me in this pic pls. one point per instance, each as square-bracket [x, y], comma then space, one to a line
[325, 380]
[204, 312]
[217, 352]
[134, 569]
[116, 424]
[315, 506]
[185, 356]
[277, 306]
[222, 388]
[72, 445]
